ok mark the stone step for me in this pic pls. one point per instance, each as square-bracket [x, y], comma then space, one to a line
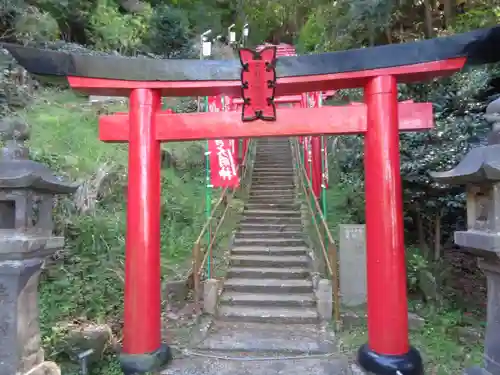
[275, 193]
[273, 206]
[278, 261]
[276, 186]
[274, 150]
[271, 213]
[271, 220]
[283, 241]
[257, 338]
[277, 173]
[267, 166]
[260, 188]
[271, 169]
[278, 154]
[269, 250]
[271, 193]
[264, 299]
[263, 175]
[268, 234]
[266, 175]
[271, 227]
[268, 314]
[272, 199]
[274, 155]
[283, 157]
[337, 364]
[283, 165]
[273, 185]
[288, 273]
[270, 180]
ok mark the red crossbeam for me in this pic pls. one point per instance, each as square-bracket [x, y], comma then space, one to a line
[291, 122]
[285, 86]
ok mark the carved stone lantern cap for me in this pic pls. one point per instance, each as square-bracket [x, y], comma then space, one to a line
[481, 164]
[17, 171]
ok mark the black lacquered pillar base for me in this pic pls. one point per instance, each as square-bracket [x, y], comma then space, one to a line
[383, 364]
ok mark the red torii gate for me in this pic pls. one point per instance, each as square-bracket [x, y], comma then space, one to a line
[379, 119]
[145, 127]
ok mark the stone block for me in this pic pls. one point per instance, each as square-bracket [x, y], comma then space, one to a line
[415, 322]
[352, 260]
[19, 316]
[352, 319]
[324, 299]
[210, 294]
[80, 338]
[45, 368]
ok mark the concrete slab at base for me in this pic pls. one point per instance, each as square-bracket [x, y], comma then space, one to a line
[476, 371]
[258, 338]
[199, 365]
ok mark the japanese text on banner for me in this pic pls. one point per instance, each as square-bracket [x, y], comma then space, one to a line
[224, 172]
[223, 167]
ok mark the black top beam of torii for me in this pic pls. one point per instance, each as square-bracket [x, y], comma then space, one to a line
[478, 47]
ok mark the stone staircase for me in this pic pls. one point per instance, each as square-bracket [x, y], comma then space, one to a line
[267, 321]
[269, 279]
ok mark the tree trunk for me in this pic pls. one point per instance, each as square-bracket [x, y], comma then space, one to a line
[388, 34]
[448, 13]
[421, 234]
[437, 235]
[429, 31]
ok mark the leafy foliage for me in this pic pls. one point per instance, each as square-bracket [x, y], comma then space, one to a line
[168, 33]
[112, 30]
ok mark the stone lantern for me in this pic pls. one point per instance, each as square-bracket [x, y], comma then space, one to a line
[27, 189]
[479, 171]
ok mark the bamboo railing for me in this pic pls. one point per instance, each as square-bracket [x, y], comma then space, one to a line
[202, 253]
[326, 243]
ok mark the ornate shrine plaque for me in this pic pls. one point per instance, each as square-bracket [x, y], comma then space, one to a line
[258, 83]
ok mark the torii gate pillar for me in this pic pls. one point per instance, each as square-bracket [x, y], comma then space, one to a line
[142, 342]
[388, 345]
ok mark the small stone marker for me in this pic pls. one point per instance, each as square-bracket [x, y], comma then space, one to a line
[352, 259]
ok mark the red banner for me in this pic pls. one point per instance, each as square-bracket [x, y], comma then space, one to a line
[223, 169]
[304, 102]
[314, 98]
[223, 166]
[325, 162]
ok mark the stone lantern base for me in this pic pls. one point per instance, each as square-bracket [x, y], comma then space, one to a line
[19, 320]
[491, 268]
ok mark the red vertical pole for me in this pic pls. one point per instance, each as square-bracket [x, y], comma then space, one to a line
[306, 146]
[237, 150]
[388, 347]
[244, 148]
[316, 165]
[142, 344]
